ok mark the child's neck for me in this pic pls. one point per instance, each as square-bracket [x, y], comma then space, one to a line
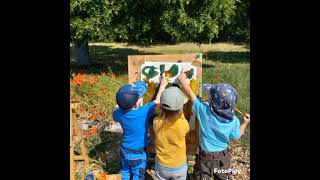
[134, 108]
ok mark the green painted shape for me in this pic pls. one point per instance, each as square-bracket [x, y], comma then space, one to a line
[197, 55]
[189, 73]
[174, 70]
[152, 73]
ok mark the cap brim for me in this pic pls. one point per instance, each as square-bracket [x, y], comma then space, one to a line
[141, 88]
[206, 88]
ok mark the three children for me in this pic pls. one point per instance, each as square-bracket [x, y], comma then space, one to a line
[217, 120]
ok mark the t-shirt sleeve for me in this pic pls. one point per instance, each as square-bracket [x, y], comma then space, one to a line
[198, 108]
[115, 114]
[235, 132]
[150, 108]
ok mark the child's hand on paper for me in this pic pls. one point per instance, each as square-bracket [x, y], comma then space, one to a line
[163, 81]
[182, 77]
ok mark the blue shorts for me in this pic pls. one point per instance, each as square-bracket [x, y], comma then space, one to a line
[133, 163]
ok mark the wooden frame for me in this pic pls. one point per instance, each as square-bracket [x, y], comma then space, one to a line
[134, 64]
[135, 61]
[72, 170]
[84, 153]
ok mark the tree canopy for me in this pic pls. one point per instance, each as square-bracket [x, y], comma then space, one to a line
[159, 20]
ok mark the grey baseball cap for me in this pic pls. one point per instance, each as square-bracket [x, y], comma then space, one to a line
[173, 99]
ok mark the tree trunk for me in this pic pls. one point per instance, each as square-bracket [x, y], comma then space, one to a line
[82, 53]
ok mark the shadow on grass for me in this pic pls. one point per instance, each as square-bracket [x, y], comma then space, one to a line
[208, 66]
[228, 57]
[149, 44]
[104, 57]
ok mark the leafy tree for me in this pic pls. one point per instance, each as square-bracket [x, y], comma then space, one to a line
[89, 21]
[239, 28]
[197, 20]
[139, 21]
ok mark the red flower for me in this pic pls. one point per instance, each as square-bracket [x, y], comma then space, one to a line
[81, 110]
[95, 116]
[99, 93]
[93, 110]
[105, 89]
[113, 75]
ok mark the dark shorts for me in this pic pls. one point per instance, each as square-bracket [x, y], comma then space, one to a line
[210, 164]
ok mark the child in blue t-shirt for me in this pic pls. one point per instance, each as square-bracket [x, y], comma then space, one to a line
[134, 120]
[218, 125]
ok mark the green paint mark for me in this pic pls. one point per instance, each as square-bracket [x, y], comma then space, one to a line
[172, 72]
[189, 73]
[198, 55]
[151, 73]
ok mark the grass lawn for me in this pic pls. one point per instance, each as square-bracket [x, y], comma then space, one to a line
[224, 62]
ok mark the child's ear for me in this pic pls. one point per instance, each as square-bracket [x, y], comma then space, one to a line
[139, 102]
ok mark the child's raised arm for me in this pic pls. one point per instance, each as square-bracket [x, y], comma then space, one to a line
[163, 84]
[246, 121]
[185, 86]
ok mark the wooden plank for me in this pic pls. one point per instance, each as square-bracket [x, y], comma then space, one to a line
[103, 176]
[83, 148]
[197, 131]
[72, 166]
[113, 177]
[74, 106]
[78, 158]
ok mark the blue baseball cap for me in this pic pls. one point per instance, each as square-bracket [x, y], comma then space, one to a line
[129, 94]
[140, 87]
[223, 100]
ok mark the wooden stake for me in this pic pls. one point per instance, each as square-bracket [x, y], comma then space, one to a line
[83, 148]
[72, 171]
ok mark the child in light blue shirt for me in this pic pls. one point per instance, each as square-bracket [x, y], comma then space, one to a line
[218, 125]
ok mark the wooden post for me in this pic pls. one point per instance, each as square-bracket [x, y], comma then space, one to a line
[197, 130]
[72, 171]
[113, 176]
[83, 148]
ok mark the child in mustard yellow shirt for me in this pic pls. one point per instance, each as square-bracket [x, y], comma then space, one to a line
[170, 129]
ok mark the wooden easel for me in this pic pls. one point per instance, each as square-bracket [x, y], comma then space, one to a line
[84, 153]
[134, 64]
